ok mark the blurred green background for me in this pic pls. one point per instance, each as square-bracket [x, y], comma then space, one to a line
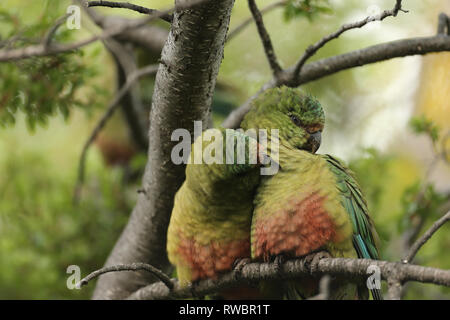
[390, 121]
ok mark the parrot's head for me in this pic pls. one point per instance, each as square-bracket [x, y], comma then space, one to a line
[298, 117]
[224, 158]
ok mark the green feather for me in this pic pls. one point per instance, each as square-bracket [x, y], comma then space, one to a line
[355, 205]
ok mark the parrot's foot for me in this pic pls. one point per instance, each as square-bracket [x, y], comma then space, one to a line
[312, 260]
[238, 265]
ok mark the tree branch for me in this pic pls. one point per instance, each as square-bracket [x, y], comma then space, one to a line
[311, 50]
[426, 236]
[443, 24]
[131, 79]
[265, 38]
[248, 21]
[183, 93]
[129, 267]
[42, 50]
[130, 6]
[324, 67]
[132, 106]
[50, 34]
[150, 37]
[352, 269]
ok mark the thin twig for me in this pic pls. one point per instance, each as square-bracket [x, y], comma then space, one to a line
[50, 34]
[425, 237]
[410, 235]
[128, 267]
[249, 20]
[152, 69]
[95, 16]
[265, 38]
[131, 104]
[443, 24]
[41, 50]
[130, 6]
[324, 67]
[312, 49]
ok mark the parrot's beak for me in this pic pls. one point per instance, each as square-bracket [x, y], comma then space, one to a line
[314, 141]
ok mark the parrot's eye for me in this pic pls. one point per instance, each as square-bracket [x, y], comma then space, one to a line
[296, 120]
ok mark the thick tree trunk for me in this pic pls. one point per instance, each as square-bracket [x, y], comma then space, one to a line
[185, 83]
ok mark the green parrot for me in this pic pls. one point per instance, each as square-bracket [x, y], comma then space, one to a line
[313, 203]
[210, 224]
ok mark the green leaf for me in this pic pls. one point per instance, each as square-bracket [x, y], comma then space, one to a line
[421, 124]
[306, 8]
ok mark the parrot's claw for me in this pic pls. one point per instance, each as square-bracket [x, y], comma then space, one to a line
[312, 260]
[239, 264]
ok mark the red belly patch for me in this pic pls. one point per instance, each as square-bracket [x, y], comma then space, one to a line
[211, 260]
[299, 229]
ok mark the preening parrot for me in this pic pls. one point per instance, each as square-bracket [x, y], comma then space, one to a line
[210, 224]
[313, 203]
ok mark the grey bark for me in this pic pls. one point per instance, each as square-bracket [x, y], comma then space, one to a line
[184, 87]
[132, 108]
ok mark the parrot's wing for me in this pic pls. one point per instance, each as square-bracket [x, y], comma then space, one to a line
[364, 233]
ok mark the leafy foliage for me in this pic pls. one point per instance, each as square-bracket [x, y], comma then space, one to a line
[42, 232]
[421, 124]
[41, 87]
[424, 202]
[306, 8]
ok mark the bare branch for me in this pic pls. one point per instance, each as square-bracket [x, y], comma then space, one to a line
[132, 103]
[410, 235]
[131, 79]
[41, 50]
[324, 67]
[248, 21]
[351, 269]
[443, 24]
[265, 38]
[50, 34]
[150, 37]
[130, 6]
[94, 15]
[129, 267]
[426, 236]
[311, 50]
[398, 7]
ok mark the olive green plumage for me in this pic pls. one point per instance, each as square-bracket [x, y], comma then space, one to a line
[313, 203]
[286, 109]
[210, 224]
